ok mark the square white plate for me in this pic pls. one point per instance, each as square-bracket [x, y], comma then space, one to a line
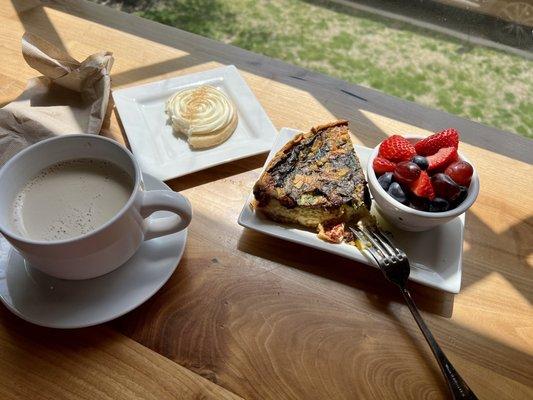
[165, 155]
[435, 255]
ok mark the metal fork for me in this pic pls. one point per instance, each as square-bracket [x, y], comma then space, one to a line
[395, 266]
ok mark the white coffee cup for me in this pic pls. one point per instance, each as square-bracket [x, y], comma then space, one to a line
[109, 246]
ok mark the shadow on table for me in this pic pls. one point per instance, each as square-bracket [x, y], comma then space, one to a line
[46, 344]
[348, 272]
[35, 20]
[217, 172]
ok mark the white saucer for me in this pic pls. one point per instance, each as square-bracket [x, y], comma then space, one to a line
[165, 155]
[56, 303]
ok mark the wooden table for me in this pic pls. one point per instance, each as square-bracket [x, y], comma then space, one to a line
[252, 316]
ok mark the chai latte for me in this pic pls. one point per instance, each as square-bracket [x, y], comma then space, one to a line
[70, 199]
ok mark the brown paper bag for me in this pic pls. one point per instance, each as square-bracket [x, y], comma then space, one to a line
[71, 97]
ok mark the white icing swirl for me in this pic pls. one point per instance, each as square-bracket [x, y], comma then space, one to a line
[203, 110]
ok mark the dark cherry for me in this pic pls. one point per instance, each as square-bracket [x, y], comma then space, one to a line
[418, 203]
[461, 172]
[397, 193]
[445, 187]
[439, 204]
[421, 161]
[385, 180]
[406, 172]
[461, 196]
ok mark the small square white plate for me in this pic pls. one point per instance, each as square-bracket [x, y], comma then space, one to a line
[435, 255]
[165, 155]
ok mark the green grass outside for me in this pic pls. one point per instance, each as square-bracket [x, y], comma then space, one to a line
[481, 84]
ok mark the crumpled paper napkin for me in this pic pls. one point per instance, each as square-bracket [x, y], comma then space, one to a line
[71, 97]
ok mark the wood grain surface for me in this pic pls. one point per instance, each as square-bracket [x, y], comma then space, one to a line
[95, 363]
[264, 318]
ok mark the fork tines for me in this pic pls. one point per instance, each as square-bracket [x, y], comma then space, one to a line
[378, 244]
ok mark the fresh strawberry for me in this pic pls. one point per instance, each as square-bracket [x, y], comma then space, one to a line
[396, 148]
[437, 141]
[442, 158]
[382, 165]
[422, 186]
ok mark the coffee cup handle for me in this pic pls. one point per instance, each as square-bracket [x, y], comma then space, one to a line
[164, 200]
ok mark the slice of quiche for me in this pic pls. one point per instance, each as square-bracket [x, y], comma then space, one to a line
[316, 181]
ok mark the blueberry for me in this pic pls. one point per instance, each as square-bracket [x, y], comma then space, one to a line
[385, 180]
[397, 193]
[421, 161]
[439, 204]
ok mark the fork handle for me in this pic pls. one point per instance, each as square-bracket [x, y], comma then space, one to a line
[457, 385]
